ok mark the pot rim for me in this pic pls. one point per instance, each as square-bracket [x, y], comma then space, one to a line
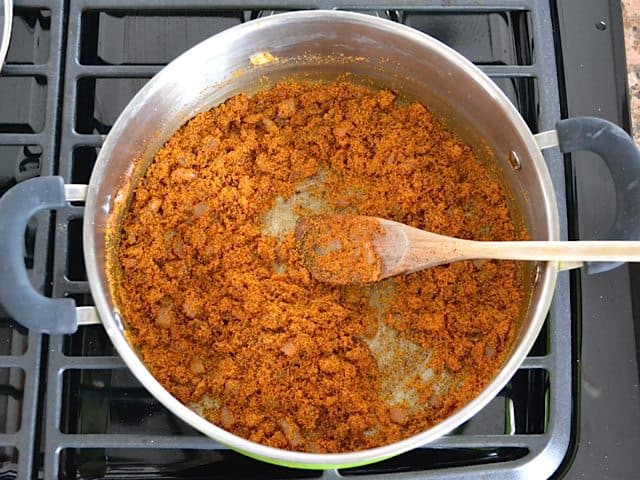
[114, 326]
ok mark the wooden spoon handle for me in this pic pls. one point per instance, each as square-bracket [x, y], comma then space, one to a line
[592, 251]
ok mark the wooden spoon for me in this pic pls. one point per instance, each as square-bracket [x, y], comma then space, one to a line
[346, 249]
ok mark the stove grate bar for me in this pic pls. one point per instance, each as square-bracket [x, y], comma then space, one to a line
[545, 363]
[73, 286]
[19, 70]
[10, 438]
[82, 140]
[510, 71]
[90, 363]
[427, 6]
[39, 4]
[24, 139]
[16, 361]
[119, 71]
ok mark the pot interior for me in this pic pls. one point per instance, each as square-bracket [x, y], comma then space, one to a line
[323, 46]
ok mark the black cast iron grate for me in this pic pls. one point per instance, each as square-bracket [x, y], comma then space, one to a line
[100, 422]
[29, 96]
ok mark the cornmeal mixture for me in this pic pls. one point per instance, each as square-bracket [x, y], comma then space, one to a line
[225, 315]
[340, 248]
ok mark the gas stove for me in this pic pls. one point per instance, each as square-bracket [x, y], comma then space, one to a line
[69, 408]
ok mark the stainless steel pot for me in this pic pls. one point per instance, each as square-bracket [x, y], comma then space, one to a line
[315, 44]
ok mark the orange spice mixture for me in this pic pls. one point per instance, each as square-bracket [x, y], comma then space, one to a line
[225, 315]
[339, 249]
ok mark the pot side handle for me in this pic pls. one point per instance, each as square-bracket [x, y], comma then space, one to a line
[17, 295]
[622, 157]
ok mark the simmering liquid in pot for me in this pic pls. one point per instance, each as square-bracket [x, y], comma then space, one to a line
[224, 314]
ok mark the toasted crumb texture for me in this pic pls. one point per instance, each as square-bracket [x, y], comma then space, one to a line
[339, 248]
[225, 315]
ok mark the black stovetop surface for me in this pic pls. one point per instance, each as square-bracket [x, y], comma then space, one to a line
[69, 408]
